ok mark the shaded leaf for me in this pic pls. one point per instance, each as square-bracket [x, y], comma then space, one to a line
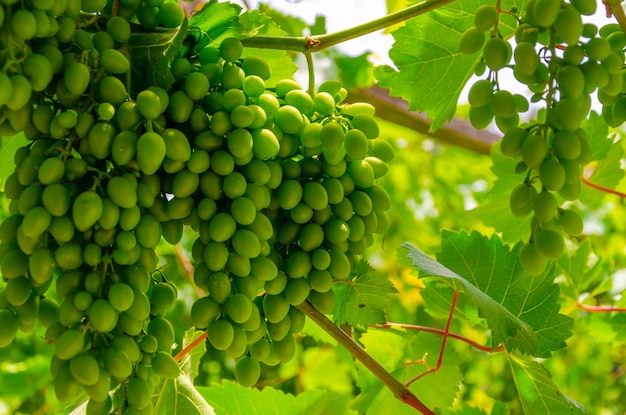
[230, 398]
[607, 173]
[537, 392]
[355, 72]
[7, 151]
[521, 310]
[598, 134]
[364, 299]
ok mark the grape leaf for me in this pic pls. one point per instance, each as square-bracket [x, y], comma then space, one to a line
[597, 132]
[537, 392]
[394, 350]
[521, 310]
[364, 299]
[257, 23]
[213, 22]
[190, 364]
[465, 410]
[607, 172]
[292, 25]
[432, 71]
[179, 396]
[494, 210]
[7, 151]
[355, 72]
[230, 398]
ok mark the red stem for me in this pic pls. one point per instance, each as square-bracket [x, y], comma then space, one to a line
[600, 308]
[190, 347]
[602, 188]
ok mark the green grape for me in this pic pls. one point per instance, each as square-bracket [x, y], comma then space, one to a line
[534, 150]
[324, 302]
[40, 265]
[148, 231]
[85, 369]
[512, 141]
[278, 331]
[170, 15]
[165, 366]
[545, 12]
[597, 48]
[526, 58]
[485, 18]
[503, 103]
[339, 267]
[263, 269]
[481, 117]
[571, 222]
[69, 344]
[571, 81]
[297, 291]
[114, 61]
[586, 7]
[86, 210]
[552, 174]
[545, 206]
[38, 70]
[102, 316]
[9, 325]
[549, 243]
[23, 24]
[311, 237]
[22, 92]
[118, 28]
[532, 261]
[247, 371]
[480, 93]
[284, 349]
[289, 119]
[246, 243]
[82, 300]
[148, 104]
[219, 286]
[151, 151]
[180, 107]
[596, 76]
[163, 332]
[100, 391]
[221, 334]
[260, 350]
[569, 25]
[275, 307]
[366, 124]
[239, 308]
[522, 200]
[122, 192]
[299, 264]
[568, 114]
[65, 387]
[497, 53]
[121, 296]
[471, 41]
[76, 78]
[566, 145]
[203, 312]
[139, 391]
[47, 315]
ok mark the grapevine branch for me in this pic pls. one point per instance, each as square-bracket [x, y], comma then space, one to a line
[184, 352]
[318, 43]
[600, 308]
[399, 390]
[602, 188]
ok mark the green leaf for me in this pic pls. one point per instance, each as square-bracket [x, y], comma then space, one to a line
[179, 396]
[364, 299]
[230, 398]
[575, 267]
[608, 172]
[495, 210]
[597, 132]
[355, 72]
[432, 71]
[537, 392]
[7, 151]
[190, 364]
[256, 23]
[399, 352]
[292, 25]
[215, 21]
[151, 54]
[521, 310]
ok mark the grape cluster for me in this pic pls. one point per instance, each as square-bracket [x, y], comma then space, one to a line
[278, 185]
[551, 153]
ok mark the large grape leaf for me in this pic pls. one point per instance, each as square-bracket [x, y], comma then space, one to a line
[364, 299]
[230, 398]
[522, 310]
[537, 392]
[7, 151]
[431, 71]
[395, 350]
[494, 210]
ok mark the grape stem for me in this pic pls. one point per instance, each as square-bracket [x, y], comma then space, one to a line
[318, 43]
[601, 188]
[184, 352]
[600, 308]
[399, 390]
[310, 67]
[615, 8]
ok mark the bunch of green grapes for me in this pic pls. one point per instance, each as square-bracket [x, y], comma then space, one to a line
[551, 153]
[279, 186]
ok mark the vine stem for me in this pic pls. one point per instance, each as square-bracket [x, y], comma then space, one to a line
[399, 390]
[615, 8]
[317, 43]
[600, 308]
[602, 188]
[180, 355]
[311, 68]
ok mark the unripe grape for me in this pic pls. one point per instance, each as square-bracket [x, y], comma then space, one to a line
[522, 200]
[170, 15]
[497, 53]
[571, 222]
[526, 58]
[532, 261]
[165, 366]
[586, 7]
[471, 41]
[549, 243]
[569, 25]
[545, 206]
[485, 18]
